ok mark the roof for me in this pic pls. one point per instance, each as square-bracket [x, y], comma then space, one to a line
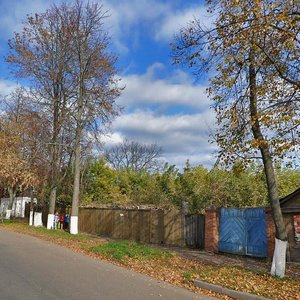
[291, 202]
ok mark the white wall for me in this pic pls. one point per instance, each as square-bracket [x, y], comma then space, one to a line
[18, 209]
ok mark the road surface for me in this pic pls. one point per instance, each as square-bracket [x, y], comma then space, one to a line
[34, 269]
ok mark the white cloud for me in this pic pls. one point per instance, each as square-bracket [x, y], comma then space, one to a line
[14, 12]
[157, 20]
[181, 136]
[133, 11]
[112, 139]
[174, 89]
[6, 87]
[127, 19]
[175, 20]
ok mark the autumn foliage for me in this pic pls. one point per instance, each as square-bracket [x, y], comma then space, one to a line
[16, 173]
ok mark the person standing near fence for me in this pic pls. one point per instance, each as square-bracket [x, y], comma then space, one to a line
[66, 222]
[55, 221]
[61, 222]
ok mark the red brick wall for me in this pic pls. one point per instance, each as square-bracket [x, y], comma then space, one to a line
[270, 233]
[211, 230]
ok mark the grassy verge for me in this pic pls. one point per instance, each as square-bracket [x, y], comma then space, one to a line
[124, 249]
[42, 231]
[167, 266]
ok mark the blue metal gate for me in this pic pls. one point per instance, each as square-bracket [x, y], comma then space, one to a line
[243, 231]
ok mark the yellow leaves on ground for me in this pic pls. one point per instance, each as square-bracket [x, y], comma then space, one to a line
[257, 283]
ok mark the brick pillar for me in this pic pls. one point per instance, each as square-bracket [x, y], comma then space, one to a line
[211, 230]
[270, 233]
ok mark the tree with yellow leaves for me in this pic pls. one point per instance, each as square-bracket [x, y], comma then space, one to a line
[15, 172]
[253, 51]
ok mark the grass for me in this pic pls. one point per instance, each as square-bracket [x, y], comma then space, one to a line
[42, 231]
[7, 222]
[121, 250]
[60, 234]
[187, 276]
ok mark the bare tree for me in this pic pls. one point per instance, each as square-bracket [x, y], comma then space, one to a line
[134, 155]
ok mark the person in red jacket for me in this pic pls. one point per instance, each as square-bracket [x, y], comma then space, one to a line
[61, 222]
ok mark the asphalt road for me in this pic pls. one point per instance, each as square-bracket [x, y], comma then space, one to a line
[34, 269]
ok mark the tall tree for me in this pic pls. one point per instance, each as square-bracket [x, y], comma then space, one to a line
[64, 51]
[253, 49]
[94, 74]
[40, 53]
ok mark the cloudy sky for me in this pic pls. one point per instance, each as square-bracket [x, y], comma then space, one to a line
[162, 103]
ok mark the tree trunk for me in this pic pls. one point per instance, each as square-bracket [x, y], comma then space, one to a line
[12, 195]
[76, 184]
[279, 258]
[31, 212]
[52, 200]
[77, 163]
[54, 165]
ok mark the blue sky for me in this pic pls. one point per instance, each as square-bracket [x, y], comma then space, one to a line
[162, 103]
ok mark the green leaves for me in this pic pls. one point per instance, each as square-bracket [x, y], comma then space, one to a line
[239, 186]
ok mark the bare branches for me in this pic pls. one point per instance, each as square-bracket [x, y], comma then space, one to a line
[133, 155]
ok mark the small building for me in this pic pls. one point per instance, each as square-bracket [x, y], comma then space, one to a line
[290, 206]
[18, 209]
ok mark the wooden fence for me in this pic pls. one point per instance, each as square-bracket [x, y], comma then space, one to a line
[155, 226]
[194, 231]
[152, 226]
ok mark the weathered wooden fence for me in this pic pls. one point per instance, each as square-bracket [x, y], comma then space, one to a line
[155, 226]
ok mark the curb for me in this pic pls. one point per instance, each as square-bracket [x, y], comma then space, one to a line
[231, 293]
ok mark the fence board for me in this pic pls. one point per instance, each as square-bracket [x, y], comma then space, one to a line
[173, 232]
[194, 231]
[157, 226]
[144, 226]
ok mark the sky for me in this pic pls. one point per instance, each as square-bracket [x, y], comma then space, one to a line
[163, 103]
